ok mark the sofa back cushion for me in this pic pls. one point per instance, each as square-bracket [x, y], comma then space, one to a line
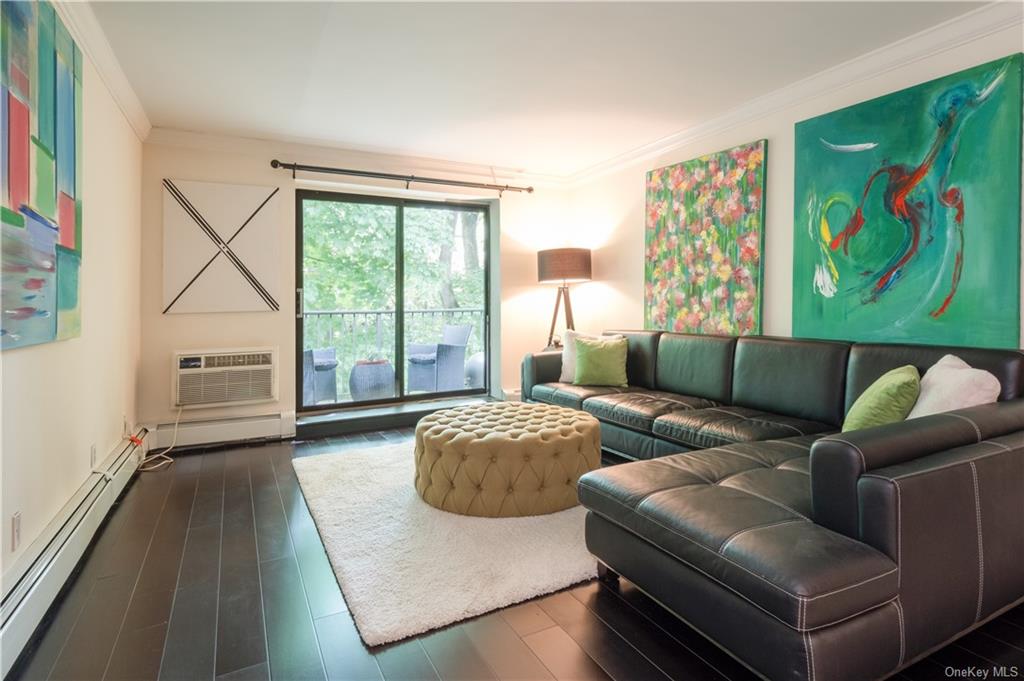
[868, 361]
[641, 356]
[696, 365]
[802, 378]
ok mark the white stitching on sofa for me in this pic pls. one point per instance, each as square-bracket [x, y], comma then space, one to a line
[953, 464]
[810, 648]
[977, 430]
[804, 448]
[981, 542]
[692, 541]
[770, 501]
[899, 525]
[807, 653]
[899, 614]
[850, 586]
[737, 533]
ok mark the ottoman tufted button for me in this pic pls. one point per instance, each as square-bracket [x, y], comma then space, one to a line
[494, 459]
[526, 457]
[480, 487]
[465, 456]
[510, 490]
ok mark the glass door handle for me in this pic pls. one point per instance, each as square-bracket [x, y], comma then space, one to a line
[298, 304]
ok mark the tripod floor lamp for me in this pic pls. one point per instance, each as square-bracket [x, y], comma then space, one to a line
[562, 266]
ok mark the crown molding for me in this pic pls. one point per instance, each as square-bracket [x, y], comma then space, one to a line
[81, 21]
[966, 28]
[970, 27]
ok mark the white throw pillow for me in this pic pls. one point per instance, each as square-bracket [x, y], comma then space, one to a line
[569, 351]
[951, 384]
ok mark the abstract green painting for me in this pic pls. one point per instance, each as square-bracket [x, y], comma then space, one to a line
[908, 214]
[704, 241]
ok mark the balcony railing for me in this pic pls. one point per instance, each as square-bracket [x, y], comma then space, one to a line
[359, 335]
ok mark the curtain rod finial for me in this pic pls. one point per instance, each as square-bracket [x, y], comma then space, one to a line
[275, 163]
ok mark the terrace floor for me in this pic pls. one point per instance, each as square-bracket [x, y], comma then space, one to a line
[213, 569]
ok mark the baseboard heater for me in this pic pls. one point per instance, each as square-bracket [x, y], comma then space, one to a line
[33, 582]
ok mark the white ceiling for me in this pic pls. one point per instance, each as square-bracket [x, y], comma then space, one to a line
[548, 88]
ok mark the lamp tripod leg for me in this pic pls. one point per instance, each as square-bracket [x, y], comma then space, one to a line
[569, 323]
[554, 317]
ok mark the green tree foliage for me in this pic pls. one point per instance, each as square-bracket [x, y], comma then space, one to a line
[349, 257]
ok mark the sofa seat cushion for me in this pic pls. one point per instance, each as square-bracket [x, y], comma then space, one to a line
[638, 408]
[720, 426]
[740, 515]
[569, 395]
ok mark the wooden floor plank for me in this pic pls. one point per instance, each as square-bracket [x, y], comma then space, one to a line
[454, 656]
[87, 651]
[189, 653]
[291, 640]
[272, 536]
[210, 569]
[527, 618]
[324, 594]
[653, 642]
[686, 635]
[563, 656]
[241, 641]
[257, 672]
[41, 653]
[505, 652]
[210, 494]
[137, 655]
[616, 655]
[993, 650]
[1006, 632]
[345, 656]
[405, 661]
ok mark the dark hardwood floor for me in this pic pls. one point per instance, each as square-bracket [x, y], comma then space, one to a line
[213, 569]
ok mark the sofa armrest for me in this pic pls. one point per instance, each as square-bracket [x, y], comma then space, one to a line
[954, 523]
[540, 367]
[838, 461]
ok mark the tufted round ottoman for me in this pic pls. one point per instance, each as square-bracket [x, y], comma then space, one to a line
[503, 459]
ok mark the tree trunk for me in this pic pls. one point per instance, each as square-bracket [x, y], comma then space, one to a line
[447, 292]
[469, 246]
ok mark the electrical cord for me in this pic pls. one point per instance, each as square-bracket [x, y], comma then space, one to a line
[155, 462]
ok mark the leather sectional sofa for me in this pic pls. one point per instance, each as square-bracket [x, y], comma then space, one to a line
[804, 552]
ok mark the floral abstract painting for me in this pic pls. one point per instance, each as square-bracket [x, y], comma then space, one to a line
[41, 164]
[907, 214]
[704, 243]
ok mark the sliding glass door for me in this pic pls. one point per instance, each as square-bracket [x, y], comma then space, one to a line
[392, 299]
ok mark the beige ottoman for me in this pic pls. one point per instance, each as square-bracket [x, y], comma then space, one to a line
[503, 459]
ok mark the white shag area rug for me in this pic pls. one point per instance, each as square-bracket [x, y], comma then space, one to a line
[406, 567]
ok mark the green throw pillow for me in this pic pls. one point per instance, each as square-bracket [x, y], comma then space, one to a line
[887, 400]
[601, 362]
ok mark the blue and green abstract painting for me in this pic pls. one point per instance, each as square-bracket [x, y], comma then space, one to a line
[908, 214]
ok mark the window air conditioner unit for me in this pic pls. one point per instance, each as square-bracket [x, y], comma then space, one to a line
[219, 378]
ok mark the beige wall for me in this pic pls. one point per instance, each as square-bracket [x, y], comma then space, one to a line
[62, 398]
[526, 220]
[615, 201]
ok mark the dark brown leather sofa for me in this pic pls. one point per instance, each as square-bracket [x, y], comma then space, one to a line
[804, 552]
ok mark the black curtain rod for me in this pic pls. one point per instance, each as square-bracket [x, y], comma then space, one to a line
[407, 179]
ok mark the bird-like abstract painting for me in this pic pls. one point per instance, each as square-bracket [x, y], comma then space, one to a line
[908, 214]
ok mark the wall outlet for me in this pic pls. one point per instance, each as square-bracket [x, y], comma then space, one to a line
[92, 456]
[15, 531]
